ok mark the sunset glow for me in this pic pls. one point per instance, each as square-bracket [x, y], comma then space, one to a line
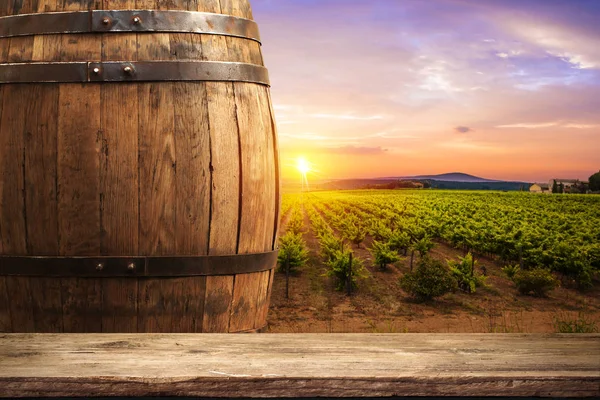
[376, 88]
[303, 166]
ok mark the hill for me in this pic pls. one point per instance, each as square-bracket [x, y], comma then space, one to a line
[453, 180]
[451, 177]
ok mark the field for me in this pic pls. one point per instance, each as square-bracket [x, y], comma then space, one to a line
[349, 251]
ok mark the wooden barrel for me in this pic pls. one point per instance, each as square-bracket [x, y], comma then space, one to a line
[139, 182]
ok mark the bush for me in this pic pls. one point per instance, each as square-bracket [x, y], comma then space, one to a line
[511, 271]
[293, 248]
[340, 268]
[431, 279]
[536, 282]
[464, 273]
[383, 254]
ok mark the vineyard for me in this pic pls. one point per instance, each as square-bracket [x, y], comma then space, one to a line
[426, 250]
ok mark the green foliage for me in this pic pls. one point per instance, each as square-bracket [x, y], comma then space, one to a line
[536, 282]
[400, 241]
[595, 182]
[330, 246]
[293, 248]
[580, 324]
[510, 271]
[560, 233]
[464, 273]
[431, 279]
[423, 245]
[296, 222]
[380, 231]
[383, 254]
[341, 269]
[354, 232]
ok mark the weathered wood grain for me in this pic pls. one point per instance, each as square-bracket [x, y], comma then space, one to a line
[277, 165]
[193, 181]
[308, 365]
[46, 299]
[224, 168]
[82, 305]
[78, 159]
[5, 321]
[18, 291]
[13, 227]
[258, 203]
[217, 304]
[40, 172]
[119, 183]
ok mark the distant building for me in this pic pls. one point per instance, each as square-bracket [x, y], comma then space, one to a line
[566, 185]
[565, 182]
[540, 188]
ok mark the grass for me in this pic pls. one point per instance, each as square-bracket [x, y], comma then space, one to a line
[565, 322]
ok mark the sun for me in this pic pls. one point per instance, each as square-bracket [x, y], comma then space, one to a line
[303, 166]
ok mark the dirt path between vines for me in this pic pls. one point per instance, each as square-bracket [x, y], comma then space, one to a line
[380, 305]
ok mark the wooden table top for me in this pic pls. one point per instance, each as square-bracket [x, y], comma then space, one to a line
[299, 365]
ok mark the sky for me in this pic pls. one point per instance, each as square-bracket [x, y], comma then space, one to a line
[503, 89]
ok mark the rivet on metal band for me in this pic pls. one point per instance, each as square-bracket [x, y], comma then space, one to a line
[142, 71]
[101, 21]
[136, 266]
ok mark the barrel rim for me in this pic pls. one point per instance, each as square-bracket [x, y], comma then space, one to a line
[136, 266]
[128, 21]
[133, 71]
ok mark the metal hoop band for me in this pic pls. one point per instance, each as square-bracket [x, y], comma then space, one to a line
[136, 266]
[100, 21]
[143, 71]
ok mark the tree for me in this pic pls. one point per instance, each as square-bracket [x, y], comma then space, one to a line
[554, 187]
[595, 182]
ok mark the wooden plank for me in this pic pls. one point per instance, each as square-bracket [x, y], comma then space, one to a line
[262, 305]
[47, 308]
[246, 290]
[21, 308]
[217, 304]
[21, 48]
[40, 169]
[119, 305]
[225, 171]
[225, 160]
[157, 166]
[304, 365]
[82, 305]
[277, 164]
[186, 305]
[157, 171]
[47, 47]
[78, 150]
[80, 47]
[13, 220]
[193, 180]
[41, 201]
[119, 184]
[258, 201]
[13, 227]
[5, 320]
